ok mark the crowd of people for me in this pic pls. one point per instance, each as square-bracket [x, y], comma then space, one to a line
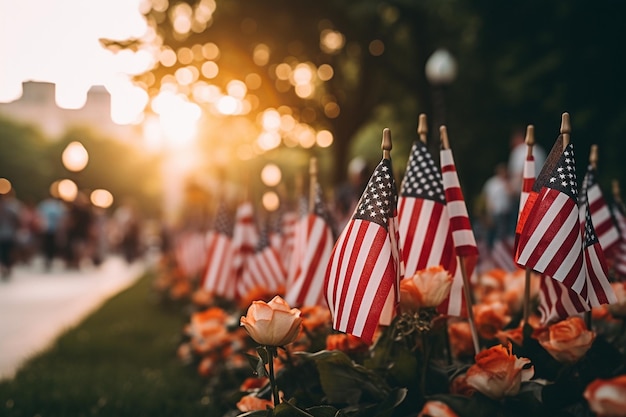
[73, 233]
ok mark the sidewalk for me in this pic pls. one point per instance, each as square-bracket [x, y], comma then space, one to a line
[37, 306]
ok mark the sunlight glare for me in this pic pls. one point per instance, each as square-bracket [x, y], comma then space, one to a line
[237, 89]
[268, 140]
[227, 105]
[270, 120]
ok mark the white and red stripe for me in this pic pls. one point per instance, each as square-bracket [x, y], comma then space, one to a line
[363, 271]
[263, 270]
[557, 302]
[218, 275]
[245, 240]
[190, 252]
[462, 234]
[603, 223]
[307, 287]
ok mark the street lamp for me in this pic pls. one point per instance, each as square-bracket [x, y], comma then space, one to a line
[441, 70]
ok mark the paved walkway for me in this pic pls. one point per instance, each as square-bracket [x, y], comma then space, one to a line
[37, 306]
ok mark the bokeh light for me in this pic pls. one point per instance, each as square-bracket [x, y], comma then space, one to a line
[271, 201]
[67, 189]
[75, 157]
[324, 138]
[271, 175]
[101, 198]
[5, 186]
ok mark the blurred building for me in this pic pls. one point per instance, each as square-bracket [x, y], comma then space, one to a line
[38, 106]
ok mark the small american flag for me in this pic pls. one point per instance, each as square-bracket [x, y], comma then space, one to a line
[599, 289]
[218, 273]
[462, 234]
[527, 193]
[424, 225]
[263, 270]
[557, 302]
[307, 288]
[362, 279]
[550, 240]
[605, 228]
[245, 240]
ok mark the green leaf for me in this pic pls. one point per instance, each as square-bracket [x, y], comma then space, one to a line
[257, 365]
[262, 351]
[345, 382]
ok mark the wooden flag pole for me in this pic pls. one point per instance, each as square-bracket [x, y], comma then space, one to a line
[386, 143]
[466, 282]
[313, 183]
[530, 143]
[617, 196]
[422, 128]
[566, 129]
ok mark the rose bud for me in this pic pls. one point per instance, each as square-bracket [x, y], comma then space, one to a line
[426, 288]
[498, 373]
[437, 409]
[607, 397]
[273, 323]
[567, 340]
[618, 309]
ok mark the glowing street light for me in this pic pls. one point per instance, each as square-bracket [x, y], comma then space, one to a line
[75, 157]
[441, 70]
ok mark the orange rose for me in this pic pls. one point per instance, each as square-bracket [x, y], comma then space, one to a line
[273, 323]
[607, 397]
[498, 373]
[253, 403]
[461, 342]
[515, 335]
[437, 409]
[427, 288]
[490, 318]
[346, 343]
[567, 340]
[315, 317]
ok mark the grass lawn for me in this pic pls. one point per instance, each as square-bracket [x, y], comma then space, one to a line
[120, 361]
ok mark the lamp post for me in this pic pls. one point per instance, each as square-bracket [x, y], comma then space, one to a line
[441, 70]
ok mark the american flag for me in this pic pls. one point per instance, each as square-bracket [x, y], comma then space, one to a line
[298, 240]
[263, 270]
[190, 252]
[245, 240]
[599, 289]
[462, 234]
[550, 241]
[557, 302]
[607, 232]
[218, 273]
[307, 288]
[619, 255]
[424, 225]
[362, 279]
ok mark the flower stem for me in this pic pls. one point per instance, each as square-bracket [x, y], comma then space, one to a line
[271, 353]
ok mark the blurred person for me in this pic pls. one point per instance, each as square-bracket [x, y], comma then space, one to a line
[517, 157]
[29, 232]
[498, 202]
[52, 212]
[129, 229]
[79, 231]
[9, 226]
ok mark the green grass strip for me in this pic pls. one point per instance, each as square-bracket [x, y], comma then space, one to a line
[120, 361]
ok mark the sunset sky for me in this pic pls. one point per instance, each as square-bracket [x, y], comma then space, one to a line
[57, 41]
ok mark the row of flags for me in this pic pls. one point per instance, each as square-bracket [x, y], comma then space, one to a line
[561, 233]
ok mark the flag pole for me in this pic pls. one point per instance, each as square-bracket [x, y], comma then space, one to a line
[530, 143]
[566, 129]
[312, 183]
[466, 283]
[422, 128]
